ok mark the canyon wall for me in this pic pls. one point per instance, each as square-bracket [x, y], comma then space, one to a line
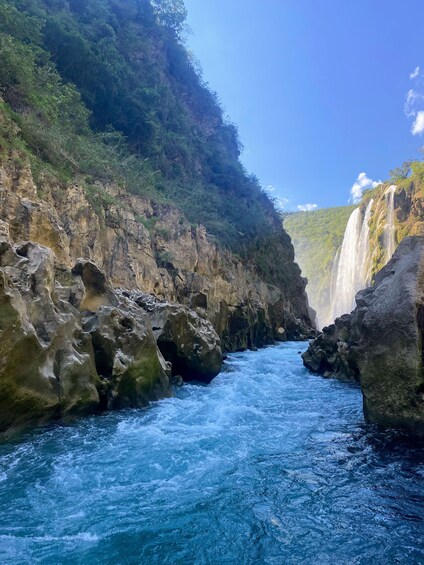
[151, 247]
[380, 344]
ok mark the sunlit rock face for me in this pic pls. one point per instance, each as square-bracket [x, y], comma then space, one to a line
[62, 357]
[186, 340]
[381, 342]
[77, 336]
[72, 345]
[173, 260]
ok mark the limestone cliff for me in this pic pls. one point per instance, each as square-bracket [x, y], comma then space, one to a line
[405, 198]
[152, 247]
[98, 312]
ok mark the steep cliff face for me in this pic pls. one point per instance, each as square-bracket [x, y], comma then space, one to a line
[105, 296]
[397, 213]
[151, 247]
[381, 343]
[118, 167]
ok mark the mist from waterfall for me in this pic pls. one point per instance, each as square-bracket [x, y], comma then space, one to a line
[353, 267]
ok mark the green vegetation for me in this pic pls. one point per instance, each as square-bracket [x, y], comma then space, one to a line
[316, 237]
[409, 209]
[106, 90]
[401, 173]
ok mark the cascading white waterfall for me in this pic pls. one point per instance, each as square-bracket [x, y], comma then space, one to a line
[345, 279]
[389, 227]
[354, 263]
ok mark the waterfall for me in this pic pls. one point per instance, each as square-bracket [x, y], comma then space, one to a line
[363, 274]
[389, 227]
[353, 269]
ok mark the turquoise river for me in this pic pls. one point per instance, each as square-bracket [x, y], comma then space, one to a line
[266, 465]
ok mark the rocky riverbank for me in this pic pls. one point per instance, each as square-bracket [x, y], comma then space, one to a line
[140, 245]
[98, 312]
[380, 344]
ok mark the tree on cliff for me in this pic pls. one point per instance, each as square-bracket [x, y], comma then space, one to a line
[171, 13]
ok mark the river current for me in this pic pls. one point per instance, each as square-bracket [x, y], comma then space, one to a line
[266, 465]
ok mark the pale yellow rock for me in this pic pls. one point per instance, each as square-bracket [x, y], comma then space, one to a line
[172, 260]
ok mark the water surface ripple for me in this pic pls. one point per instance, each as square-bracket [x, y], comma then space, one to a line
[268, 464]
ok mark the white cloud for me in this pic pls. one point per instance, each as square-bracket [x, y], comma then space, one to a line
[413, 101]
[415, 73]
[418, 125]
[362, 183]
[280, 202]
[307, 207]
[409, 103]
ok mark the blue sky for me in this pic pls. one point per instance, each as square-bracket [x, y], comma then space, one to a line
[317, 88]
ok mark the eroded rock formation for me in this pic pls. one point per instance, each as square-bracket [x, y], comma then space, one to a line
[150, 247]
[71, 345]
[98, 312]
[381, 342]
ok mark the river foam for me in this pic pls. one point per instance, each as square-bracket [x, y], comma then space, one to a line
[267, 464]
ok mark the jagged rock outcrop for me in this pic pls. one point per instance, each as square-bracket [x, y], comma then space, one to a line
[152, 248]
[331, 354]
[381, 342]
[186, 340]
[70, 345]
[47, 368]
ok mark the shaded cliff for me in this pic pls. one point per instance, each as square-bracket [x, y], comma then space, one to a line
[381, 343]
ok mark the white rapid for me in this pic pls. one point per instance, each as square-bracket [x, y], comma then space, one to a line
[389, 227]
[353, 268]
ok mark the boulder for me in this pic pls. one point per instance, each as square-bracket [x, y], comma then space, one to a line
[186, 340]
[46, 362]
[131, 369]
